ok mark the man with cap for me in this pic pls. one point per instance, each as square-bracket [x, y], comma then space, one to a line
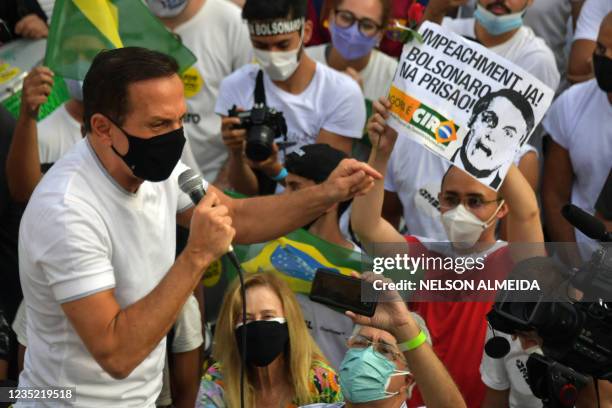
[308, 166]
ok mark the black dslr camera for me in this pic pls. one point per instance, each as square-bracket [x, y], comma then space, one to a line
[577, 335]
[263, 124]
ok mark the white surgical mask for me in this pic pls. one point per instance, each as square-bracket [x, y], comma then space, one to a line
[167, 8]
[279, 65]
[464, 228]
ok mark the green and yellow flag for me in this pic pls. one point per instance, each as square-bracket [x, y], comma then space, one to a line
[81, 28]
[294, 257]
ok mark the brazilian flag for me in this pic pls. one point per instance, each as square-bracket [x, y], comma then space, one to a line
[295, 257]
[82, 28]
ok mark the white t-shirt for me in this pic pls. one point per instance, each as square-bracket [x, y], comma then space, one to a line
[81, 234]
[548, 19]
[524, 49]
[328, 327]
[187, 337]
[220, 40]
[414, 173]
[509, 372]
[579, 121]
[59, 131]
[332, 101]
[591, 16]
[377, 75]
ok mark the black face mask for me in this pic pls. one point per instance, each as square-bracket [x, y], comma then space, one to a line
[265, 341]
[603, 72]
[153, 159]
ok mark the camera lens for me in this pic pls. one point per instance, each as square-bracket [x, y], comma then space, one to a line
[259, 142]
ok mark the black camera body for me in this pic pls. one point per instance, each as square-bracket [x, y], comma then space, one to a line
[577, 335]
[263, 126]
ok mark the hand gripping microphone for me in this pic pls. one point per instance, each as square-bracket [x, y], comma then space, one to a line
[191, 184]
[586, 223]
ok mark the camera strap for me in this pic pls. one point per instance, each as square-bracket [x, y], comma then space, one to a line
[260, 92]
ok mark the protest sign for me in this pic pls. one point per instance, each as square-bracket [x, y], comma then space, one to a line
[465, 103]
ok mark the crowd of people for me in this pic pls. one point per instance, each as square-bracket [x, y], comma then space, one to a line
[103, 256]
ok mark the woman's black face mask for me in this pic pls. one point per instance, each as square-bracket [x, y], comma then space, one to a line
[266, 340]
[155, 158]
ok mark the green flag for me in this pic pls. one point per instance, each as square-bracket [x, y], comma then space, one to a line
[81, 28]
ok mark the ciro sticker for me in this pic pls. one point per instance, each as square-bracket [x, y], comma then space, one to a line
[8, 72]
[192, 82]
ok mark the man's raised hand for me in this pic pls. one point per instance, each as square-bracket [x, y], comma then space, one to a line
[36, 90]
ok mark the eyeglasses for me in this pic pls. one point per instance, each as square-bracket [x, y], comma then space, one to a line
[367, 26]
[384, 349]
[448, 201]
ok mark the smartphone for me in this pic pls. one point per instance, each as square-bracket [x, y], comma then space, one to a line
[331, 288]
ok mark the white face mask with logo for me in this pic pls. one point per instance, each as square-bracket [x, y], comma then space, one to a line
[167, 8]
[279, 65]
[464, 228]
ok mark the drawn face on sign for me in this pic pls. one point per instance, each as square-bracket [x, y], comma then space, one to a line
[495, 135]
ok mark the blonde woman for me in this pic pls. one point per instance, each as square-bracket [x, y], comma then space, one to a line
[285, 368]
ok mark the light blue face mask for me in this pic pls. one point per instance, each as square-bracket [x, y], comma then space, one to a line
[497, 25]
[365, 375]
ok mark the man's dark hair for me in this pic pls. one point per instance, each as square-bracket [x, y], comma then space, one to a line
[105, 88]
[515, 98]
[262, 10]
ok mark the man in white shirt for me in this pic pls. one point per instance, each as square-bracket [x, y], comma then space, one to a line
[579, 155]
[580, 62]
[319, 104]
[414, 197]
[215, 33]
[97, 241]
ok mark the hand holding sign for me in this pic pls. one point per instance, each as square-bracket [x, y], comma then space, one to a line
[381, 135]
[465, 103]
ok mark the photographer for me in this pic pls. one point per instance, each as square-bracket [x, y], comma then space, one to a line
[318, 104]
[470, 212]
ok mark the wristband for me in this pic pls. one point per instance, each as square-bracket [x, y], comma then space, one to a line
[413, 343]
[281, 175]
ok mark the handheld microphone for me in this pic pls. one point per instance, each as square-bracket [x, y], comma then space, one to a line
[586, 223]
[192, 184]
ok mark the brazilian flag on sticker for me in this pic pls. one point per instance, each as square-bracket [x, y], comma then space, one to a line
[81, 28]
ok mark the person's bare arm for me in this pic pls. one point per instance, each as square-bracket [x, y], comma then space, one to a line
[336, 141]
[260, 219]
[366, 216]
[496, 399]
[437, 9]
[580, 67]
[587, 397]
[22, 162]
[529, 168]
[523, 218]
[241, 176]
[435, 383]
[556, 192]
[120, 339]
[392, 210]
[185, 378]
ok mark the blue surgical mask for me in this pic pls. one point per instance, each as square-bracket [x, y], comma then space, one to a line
[497, 25]
[350, 42]
[365, 375]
